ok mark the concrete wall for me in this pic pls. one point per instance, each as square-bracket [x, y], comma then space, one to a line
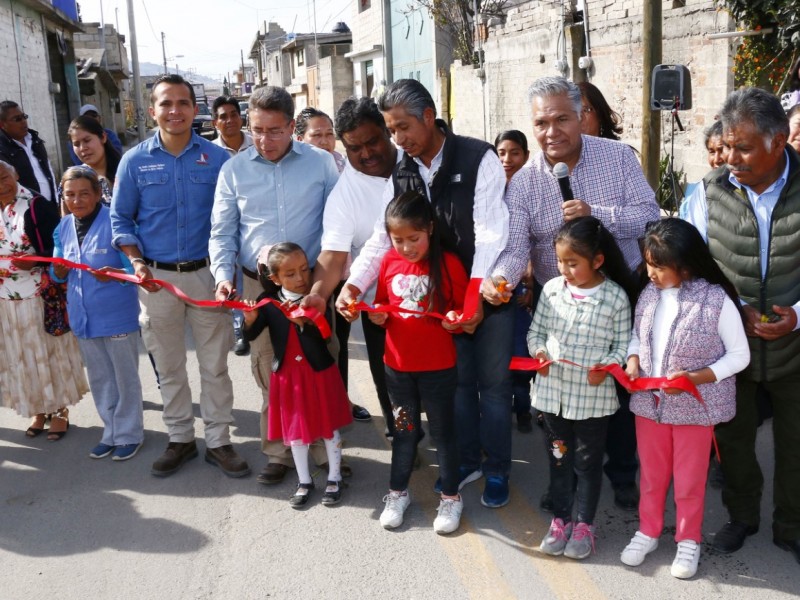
[335, 83]
[25, 74]
[368, 32]
[525, 48]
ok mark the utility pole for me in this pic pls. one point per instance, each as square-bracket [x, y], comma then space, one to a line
[164, 53]
[137, 81]
[241, 91]
[651, 120]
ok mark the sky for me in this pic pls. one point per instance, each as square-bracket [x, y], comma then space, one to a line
[211, 33]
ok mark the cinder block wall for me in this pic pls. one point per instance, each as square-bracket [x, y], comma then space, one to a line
[525, 48]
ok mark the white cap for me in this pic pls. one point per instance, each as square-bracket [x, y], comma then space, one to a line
[88, 107]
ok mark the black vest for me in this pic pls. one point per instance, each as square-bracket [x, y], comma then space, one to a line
[452, 192]
[12, 153]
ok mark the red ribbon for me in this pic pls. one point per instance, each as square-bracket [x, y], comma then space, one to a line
[293, 313]
[641, 384]
[472, 298]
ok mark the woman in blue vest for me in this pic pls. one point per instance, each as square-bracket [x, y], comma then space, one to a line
[103, 314]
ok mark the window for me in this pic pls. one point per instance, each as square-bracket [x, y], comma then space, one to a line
[300, 59]
[277, 63]
[363, 5]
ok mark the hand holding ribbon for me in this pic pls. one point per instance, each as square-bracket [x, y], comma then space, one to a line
[295, 312]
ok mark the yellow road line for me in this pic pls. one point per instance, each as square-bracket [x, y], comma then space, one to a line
[469, 557]
[566, 578]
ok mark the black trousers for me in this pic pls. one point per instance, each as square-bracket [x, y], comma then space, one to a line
[408, 391]
[575, 449]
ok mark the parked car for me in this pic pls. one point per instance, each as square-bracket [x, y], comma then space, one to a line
[243, 109]
[203, 122]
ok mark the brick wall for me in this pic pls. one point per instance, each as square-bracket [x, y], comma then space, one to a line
[525, 48]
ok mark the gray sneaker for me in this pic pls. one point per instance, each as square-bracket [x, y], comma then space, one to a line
[556, 539]
[581, 542]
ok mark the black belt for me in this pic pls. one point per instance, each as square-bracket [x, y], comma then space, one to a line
[183, 267]
[250, 273]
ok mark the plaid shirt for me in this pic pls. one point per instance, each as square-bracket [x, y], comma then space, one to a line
[607, 177]
[592, 330]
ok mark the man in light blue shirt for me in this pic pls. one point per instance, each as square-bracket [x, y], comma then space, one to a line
[750, 216]
[273, 192]
[160, 219]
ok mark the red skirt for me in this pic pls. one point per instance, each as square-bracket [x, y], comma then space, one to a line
[305, 404]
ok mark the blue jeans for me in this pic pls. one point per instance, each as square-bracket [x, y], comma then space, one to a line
[483, 397]
[521, 380]
[238, 316]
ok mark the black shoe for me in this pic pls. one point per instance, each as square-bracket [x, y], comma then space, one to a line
[792, 546]
[242, 346]
[173, 458]
[273, 473]
[299, 500]
[731, 537]
[228, 461]
[524, 422]
[334, 497]
[360, 413]
[626, 496]
[546, 502]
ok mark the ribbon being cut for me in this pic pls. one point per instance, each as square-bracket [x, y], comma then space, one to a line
[471, 302]
[293, 313]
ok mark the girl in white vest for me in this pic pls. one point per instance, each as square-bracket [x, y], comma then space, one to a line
[687, 323]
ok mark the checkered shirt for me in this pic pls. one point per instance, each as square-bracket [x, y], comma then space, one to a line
[592, 330]
[607, 177]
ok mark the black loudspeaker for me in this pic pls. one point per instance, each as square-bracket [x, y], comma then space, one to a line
[670, 88]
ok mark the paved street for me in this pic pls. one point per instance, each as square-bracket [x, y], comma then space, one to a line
[72, 527]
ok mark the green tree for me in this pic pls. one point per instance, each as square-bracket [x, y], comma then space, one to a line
[764, 60]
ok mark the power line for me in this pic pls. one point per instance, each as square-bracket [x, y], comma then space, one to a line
[152, 30]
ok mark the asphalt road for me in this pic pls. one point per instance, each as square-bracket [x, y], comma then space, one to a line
[73, 527]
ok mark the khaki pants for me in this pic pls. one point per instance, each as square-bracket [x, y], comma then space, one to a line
[261, 355]
[163, 320]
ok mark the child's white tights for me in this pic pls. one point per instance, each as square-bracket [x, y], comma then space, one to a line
[333, 448]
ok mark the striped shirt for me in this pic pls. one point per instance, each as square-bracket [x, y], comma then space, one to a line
[607, 177]
[591, 330]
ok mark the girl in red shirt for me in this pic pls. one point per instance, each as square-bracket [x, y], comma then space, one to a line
[420, 355]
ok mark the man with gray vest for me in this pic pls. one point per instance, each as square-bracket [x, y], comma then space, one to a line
[749, 212]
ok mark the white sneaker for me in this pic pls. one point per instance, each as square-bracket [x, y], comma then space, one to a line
[448, 516]
[640, 546]
[686, 558]
[396, 505]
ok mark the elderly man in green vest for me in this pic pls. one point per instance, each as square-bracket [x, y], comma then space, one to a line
[749, 212]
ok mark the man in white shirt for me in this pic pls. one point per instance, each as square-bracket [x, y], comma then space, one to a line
[23, 148]
[465, 181]
[352, 209]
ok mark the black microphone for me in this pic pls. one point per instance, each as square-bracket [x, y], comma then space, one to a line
[561, 171]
